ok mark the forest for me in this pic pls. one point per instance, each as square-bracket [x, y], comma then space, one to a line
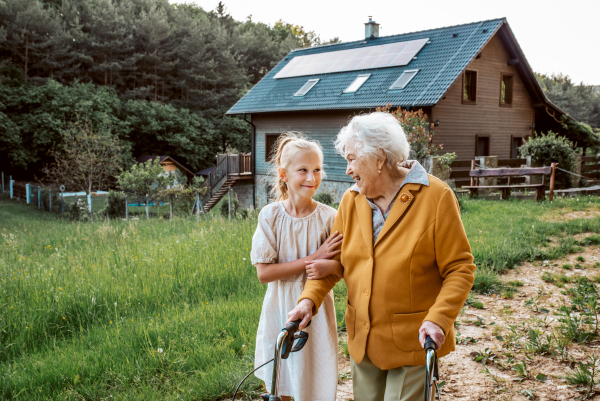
[159, 76]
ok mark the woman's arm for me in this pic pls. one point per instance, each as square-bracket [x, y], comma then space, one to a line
[268, 272]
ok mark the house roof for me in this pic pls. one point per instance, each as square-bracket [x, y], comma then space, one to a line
[161, 159]
[206, 171]
[440, 62]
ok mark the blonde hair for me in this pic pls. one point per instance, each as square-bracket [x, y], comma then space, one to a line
[287, 145]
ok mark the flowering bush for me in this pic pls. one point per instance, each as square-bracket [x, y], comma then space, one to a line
[418, 132]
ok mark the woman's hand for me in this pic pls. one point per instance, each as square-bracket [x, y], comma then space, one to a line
[329, 248]
[432, 330]
[302, 311]
[317, 269]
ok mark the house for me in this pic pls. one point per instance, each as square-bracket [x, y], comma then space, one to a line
[473, 81]
[169, 164]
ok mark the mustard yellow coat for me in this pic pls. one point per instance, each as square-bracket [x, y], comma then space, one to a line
[420, 268]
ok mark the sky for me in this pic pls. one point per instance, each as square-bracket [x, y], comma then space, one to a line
[556, 36]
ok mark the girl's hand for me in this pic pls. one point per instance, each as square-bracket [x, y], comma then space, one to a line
[329, 248]
[320, 268]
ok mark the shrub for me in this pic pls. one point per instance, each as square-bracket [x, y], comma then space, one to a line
[115, 205]
[325, 198]
[235, 207]
[545, 149]
[79, 211]
[486, 281]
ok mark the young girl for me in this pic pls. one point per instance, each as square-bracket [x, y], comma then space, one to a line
[292, 243]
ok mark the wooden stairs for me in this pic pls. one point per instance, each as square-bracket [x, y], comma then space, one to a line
[229, 170]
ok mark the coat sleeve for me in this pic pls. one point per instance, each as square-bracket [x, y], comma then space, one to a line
[316, 290]
[454, 261]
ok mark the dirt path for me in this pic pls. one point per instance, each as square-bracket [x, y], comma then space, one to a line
[488, 328]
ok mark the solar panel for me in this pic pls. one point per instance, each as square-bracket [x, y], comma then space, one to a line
[357, 83]
[381, 56]
[404, 79]
[306, 87]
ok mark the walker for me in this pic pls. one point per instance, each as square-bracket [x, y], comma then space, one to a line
[283, 347]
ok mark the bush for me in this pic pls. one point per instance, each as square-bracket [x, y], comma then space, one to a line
[115, 205]
[324, 198]
[79, 211]
[545, 149]
[235, 207]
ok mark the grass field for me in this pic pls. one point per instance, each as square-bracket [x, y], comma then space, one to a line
[160, 310]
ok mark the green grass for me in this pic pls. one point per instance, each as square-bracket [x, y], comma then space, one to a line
[85, 307]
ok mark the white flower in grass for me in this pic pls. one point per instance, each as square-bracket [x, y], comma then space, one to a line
[160, 350]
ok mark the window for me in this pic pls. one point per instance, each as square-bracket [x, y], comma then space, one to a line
[271, 140]
[470, 87]
[514, 147]
[404, 79]
[483, 145]
[307, 86]
[506, 89]
[357, 83]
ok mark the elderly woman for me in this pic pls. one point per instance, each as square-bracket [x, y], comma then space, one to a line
[407, 262]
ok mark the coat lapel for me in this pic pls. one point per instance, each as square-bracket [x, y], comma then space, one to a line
[365, 220]
[400, 207]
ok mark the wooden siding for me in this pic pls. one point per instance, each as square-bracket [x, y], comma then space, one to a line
[460, 122]
[321, 126]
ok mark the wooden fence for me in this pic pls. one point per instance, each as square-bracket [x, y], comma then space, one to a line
[461, 168]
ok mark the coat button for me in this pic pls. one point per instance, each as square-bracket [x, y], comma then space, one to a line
[367, 292]
[404, 198]
[367, 326]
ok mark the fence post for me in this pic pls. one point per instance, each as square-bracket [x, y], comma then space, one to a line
[28, 193]
[39, 197]
[3, 182]
[126, 208]
[229, 198]
[147, 208]
[197, 206]
[575, 180]
[89, 199]
[50, 200]
[171, 209]
[62, 205]
[10, 185]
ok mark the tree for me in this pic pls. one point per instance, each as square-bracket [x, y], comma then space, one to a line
[143, 179]
[88, 158]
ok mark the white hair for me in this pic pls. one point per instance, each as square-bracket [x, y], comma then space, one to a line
[376, 132]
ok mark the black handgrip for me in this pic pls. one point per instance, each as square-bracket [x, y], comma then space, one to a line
[429, 344]
[302, 338]
[288, 344]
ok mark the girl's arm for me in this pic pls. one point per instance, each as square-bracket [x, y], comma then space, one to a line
[317, 269]
[268, 272]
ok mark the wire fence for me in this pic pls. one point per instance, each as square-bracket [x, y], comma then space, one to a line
[81, 206]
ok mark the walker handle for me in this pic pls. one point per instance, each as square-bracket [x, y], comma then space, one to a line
[288, 344]
[429, 344]
[302, 338]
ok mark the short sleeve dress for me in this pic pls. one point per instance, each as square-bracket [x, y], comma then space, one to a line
[311, 374]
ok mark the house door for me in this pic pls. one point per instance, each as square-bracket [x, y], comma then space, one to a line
[483, 145]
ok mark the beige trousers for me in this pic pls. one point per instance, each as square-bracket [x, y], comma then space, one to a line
[370, 383]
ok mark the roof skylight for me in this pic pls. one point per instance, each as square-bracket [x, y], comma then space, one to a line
[357, 83]
[404, 79]
[307, 86]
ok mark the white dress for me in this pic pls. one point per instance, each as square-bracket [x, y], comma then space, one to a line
[310, 374]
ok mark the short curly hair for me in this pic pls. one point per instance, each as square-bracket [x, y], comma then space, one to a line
[376, 132]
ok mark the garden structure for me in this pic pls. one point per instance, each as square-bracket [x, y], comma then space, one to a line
[473, 82]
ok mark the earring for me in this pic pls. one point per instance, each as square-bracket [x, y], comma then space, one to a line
[379, 171]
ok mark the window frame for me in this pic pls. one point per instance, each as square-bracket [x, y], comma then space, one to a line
[314, 81]
[347, 92]
[487, 136]
[267, 148]
[464, 82]
[512, 89]
[391, 88]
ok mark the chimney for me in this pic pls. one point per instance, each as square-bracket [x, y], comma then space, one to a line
[371, 29]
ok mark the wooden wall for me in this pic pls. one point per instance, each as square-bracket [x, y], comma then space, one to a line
[460, 123]
[322, 126]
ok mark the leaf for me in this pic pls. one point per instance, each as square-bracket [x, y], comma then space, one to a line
[541, 377]
[500, 338]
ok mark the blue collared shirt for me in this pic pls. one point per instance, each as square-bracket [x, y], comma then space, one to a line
[416, 175]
